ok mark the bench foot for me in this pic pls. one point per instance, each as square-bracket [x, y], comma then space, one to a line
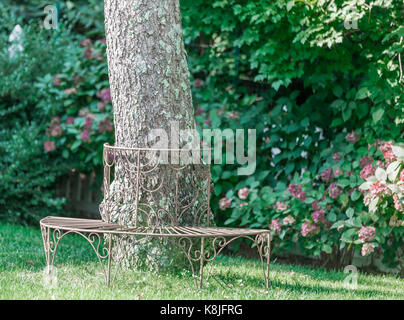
[51, 239]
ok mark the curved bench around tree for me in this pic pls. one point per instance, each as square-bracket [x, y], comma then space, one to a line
[149, 196]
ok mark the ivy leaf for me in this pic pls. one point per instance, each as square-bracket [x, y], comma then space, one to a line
[350, 212]
[327, 248]
[346, 114]
[348, 235]
[355, 195]
[362, 93]
[377, 114]
[76, 145]
[338, 104]
[337, 90]
[290, 5]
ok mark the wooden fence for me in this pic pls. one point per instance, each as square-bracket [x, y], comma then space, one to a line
[83, 193]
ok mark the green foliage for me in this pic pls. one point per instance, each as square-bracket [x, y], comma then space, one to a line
[298, 72]
[295, 73]
[27, 176]
[27, 173]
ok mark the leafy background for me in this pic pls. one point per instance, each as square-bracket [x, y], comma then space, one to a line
[289, 69]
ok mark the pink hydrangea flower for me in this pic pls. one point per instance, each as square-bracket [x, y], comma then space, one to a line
[208, 122]
[366, 160]
[55, 121]
[77, 79]
[70, 120]
[398, 205]
[281, 206]
[224, 203]
[336, 157]
[338, 172]
[326, 175]
[49, 146]
[352, 137]
[83, 112]
[88, 123]
[334, 191]
[379, 189]
[56, 131]
[70, 91]
[309, 229]
[288, 220]
[86, 42]
[243, 193]
[379, 164]
[85, 135]
[318, 216]
[57, 81]
[401, 177]
[367, 199]
[101, 106]
[199, 111]
[367, 233]
[367, 249]
[88, 53]
[105, 95]
[315, 206]
[387, 151]
[275, 225]
[296, 191]
[367, 171]
[198, 83]
[105, 126]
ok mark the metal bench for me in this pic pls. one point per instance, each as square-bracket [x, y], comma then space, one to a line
[149, 197]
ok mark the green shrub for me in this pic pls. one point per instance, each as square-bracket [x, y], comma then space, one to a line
[27, 172]
[295, 73]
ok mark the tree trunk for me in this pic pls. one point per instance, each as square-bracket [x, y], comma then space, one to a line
[149, 82]
[148, 71]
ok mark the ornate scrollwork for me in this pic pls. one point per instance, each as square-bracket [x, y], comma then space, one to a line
[145, 198]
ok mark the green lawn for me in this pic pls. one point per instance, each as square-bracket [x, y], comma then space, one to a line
[22, 263]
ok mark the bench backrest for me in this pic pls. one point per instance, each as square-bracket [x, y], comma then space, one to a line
[156, 187]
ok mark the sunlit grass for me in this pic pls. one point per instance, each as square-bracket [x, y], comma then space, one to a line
[79, 276]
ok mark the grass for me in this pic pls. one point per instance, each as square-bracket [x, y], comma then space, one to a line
[22, 263]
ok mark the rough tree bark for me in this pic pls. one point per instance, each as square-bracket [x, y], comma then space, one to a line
[149, 80]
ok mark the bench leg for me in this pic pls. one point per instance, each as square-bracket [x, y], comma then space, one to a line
[201, 263]
[46, 244]
[268, 260]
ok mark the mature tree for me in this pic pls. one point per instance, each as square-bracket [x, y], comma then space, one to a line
[149, 81]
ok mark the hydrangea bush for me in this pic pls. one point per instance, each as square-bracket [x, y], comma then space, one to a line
[82, 108]
[384, 197]
[334, 212]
